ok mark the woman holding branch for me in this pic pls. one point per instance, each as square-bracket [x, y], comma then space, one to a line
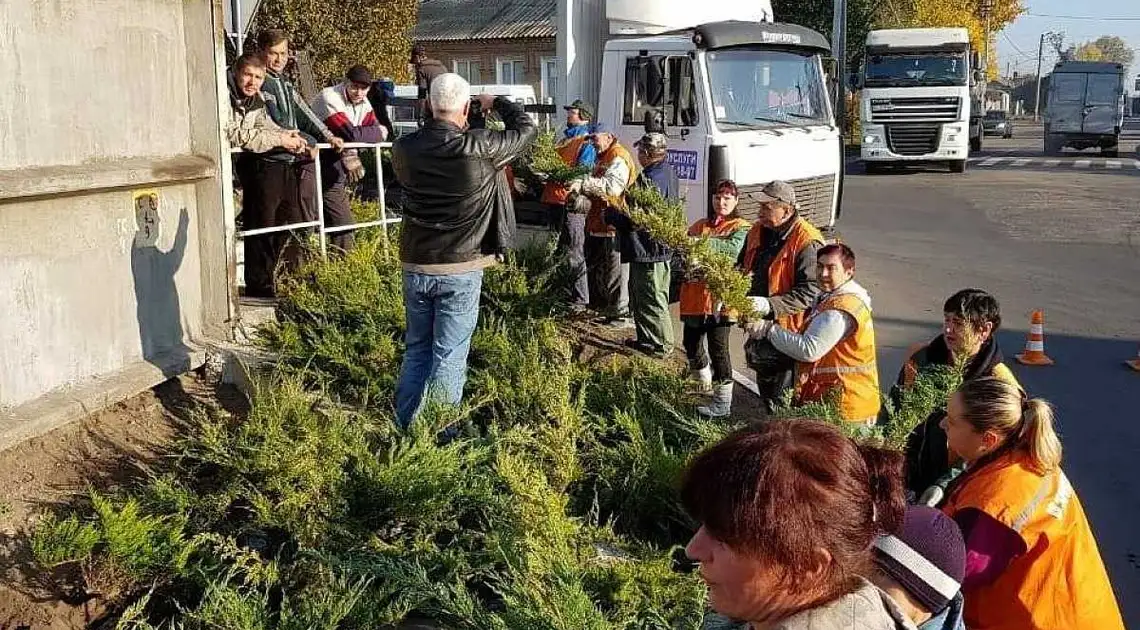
[707, 325]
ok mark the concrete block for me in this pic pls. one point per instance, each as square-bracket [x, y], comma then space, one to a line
[58, 408]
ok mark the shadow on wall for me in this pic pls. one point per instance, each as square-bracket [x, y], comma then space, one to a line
[157, 307]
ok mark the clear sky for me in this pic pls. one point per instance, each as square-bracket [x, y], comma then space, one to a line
[1017, 44]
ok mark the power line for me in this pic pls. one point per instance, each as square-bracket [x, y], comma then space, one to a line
[1093, 18]
[1015, 47]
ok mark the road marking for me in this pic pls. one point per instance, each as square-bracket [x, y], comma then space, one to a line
[992, 161]
[1052, 163]
[1022, 161]
[1113, 164]
[1082, 164]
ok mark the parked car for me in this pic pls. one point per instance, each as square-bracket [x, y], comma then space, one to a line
[996, 123]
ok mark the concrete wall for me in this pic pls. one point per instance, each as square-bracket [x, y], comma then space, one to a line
[112, 223]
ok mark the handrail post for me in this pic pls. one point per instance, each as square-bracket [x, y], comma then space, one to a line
[380, 196]
[320, 205]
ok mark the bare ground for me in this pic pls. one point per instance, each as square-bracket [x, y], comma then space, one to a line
[105, 450]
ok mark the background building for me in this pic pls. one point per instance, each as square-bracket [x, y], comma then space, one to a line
[493, 41]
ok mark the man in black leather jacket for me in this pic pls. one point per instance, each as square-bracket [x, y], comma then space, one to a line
[458, 217]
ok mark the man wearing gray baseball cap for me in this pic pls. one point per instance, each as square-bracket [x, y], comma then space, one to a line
[780, 255]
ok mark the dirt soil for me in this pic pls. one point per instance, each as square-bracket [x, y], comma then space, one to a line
[601, 340]
[105, 450]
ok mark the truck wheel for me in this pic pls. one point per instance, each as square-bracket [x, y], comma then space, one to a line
[958, 166]
[830, 235]
[1052, 145]
[976, 144]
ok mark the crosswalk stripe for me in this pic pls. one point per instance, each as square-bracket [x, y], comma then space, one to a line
[991, 161]
[1052, 162]
[1113, 164]
[1082, 164]
[1022, 161]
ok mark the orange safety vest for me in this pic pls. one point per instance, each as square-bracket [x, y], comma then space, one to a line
[695, 297]
[849, 367]
[782, 271]
[595, 218]
[555, 193]
[1060, 582]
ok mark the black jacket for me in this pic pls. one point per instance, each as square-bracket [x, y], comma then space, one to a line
[457, 204]
[927, 455]
[636, 245]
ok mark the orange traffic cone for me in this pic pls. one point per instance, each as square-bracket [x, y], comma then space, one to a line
[1134, 363]
[1035, 346]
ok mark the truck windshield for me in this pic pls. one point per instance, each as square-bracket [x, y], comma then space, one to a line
[766, 88]
[906, 70]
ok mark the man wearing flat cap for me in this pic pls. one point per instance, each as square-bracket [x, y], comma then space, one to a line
[779, 255]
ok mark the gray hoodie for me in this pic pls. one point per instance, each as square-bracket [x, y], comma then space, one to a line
[825, 330]
[865, 608]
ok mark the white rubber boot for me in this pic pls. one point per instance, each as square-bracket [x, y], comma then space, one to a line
[721, 404]
[702, 377]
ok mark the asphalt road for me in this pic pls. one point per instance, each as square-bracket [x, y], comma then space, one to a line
[1058, 234]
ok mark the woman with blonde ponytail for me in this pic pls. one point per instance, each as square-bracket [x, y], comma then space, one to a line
[1032, 562]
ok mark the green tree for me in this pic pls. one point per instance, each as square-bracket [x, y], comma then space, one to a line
[817, 15]
[340, 33]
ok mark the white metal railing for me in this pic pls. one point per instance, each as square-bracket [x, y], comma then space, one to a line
[319, 223]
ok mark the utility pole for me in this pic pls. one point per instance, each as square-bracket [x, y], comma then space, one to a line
[1056, 39]
[839, 51]
[1037, 100]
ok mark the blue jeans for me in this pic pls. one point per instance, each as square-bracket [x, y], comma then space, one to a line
[441, 313]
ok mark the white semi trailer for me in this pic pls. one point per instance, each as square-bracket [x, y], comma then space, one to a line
[739, 96]
[919, 102]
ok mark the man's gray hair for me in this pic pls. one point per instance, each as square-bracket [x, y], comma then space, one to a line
[449, 93]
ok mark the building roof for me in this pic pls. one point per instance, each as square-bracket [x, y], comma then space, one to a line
[451, 20]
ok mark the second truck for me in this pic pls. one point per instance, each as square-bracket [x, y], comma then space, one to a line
[921, 98]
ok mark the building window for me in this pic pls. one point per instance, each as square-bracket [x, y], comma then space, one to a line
[509, 71]
[549, 79]
[468, 69]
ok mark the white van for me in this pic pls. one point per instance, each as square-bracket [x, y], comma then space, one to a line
[404, 118]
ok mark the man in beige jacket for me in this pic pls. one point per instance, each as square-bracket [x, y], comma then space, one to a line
[270, 197]
[250, 126]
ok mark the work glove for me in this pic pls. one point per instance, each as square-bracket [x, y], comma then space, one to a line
[761, 305]
[353, 167]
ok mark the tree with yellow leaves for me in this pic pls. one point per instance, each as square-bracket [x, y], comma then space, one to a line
[970, 14]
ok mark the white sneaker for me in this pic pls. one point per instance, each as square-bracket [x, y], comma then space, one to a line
[703, 378]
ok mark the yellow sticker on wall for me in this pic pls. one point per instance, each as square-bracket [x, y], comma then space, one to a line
[146, 216]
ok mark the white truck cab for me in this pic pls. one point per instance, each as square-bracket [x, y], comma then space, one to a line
[916, 97]
[743, 99]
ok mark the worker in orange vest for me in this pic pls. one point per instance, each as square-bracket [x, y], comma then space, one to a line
[779, 255]
[835, 349]
[707, 327]
[1033, 562]
[575, 150]
[614, 172]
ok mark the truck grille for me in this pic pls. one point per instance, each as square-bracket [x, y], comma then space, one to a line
[913, 139]
[814, 196]
[925, 109]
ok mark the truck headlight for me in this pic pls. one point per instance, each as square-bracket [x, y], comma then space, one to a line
[953, 129]
[871, 139]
